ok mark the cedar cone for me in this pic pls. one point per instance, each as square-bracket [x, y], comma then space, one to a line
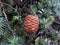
[31, 23]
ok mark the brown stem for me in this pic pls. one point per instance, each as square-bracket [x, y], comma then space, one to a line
[7, 5]
[27, 42]
[7, 23]
[11, 8]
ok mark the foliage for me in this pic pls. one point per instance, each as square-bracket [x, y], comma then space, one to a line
[13, 12]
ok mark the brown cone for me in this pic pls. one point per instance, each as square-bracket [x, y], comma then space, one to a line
[31, 24]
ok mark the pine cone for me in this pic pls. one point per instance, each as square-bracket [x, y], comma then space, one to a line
[31, 23]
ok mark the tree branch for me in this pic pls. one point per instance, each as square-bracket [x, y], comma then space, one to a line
[7, 5]
[7, 23]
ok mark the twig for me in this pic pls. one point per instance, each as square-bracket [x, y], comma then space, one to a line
[7, 5]
[7, 23]
[10, 5]
[11, 8]
[33, 39]
[5, 15]
[6, 19]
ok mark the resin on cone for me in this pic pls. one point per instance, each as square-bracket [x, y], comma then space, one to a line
[31, 23]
